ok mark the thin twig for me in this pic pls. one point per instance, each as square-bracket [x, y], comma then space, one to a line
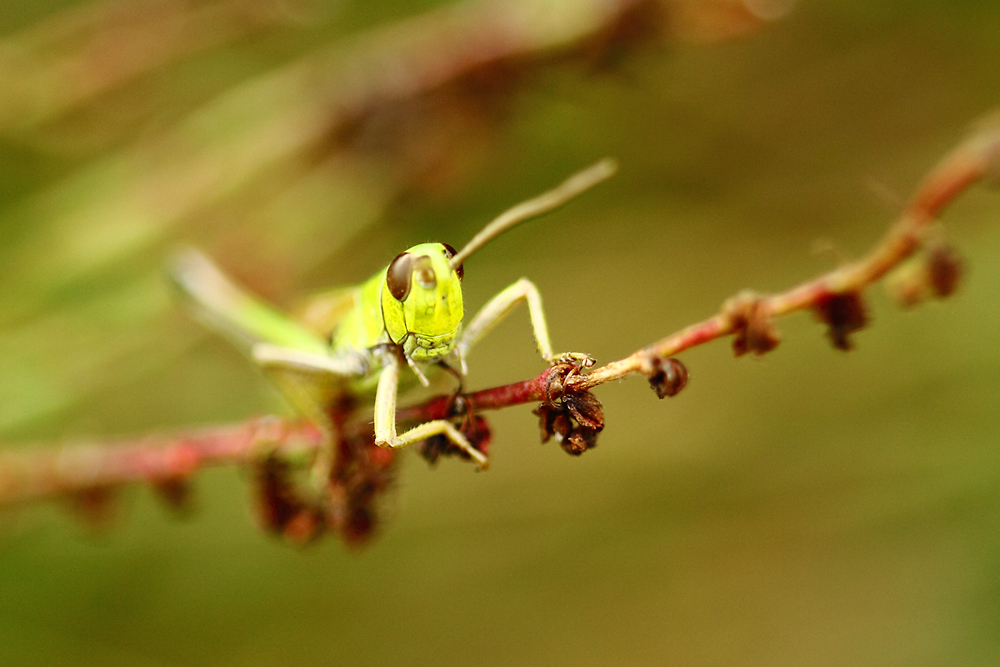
[74, 470]
[976, 158]
[33, 475]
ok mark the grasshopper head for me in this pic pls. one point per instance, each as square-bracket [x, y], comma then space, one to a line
[422, 301]
[422, 292]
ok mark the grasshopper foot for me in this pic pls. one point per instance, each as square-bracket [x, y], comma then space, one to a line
[578, 359]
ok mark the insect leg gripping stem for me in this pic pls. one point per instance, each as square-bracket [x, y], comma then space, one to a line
[499, 307]
[385, 419]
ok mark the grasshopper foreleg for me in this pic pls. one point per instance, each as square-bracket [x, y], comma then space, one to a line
[500, 306]
[385, 419]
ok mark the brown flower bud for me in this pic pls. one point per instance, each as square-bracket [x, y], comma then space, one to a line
[96, 506]
[476, 430]
[574, 420]
[753, 328]
[279, 505]
[944, 269]
[177, 494]
[667, 377]
[362, 474]
[934, 272]
[843, 313]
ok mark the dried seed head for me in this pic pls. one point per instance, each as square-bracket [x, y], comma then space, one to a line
[553, 421]
[667, 377]
[574, 420]
[935, 272]
[753, 328]
[585, 410]
[844, 314]
[475, 428]
[303, 526]
[362, 474]
[359, 525]
[944, 269]
[579, 441]
[96, 507]
[280, 508]
[177, 494]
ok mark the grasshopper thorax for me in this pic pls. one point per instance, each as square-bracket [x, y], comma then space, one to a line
[421, 299]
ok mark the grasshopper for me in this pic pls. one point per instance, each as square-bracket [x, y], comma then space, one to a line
[356, 341]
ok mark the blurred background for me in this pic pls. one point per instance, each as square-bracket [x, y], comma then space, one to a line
[808, 508]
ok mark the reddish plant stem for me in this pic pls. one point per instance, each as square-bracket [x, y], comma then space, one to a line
[76, 469]
[441, 407]
[971, 161]
[975, 158]
[33, 475]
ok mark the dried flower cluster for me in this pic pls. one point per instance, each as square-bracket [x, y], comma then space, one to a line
[477, 63]
[751, 320]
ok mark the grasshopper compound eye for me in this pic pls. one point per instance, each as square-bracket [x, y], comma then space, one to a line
[399, 275]
[451, 252]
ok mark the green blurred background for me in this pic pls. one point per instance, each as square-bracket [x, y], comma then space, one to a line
[808, 508]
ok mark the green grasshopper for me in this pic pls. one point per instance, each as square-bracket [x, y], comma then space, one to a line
[355, 341]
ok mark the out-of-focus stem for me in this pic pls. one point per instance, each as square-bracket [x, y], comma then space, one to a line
[65, 471]
[34, 475]
[973, 159]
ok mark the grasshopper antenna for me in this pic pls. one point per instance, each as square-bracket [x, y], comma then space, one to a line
[544, 203]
